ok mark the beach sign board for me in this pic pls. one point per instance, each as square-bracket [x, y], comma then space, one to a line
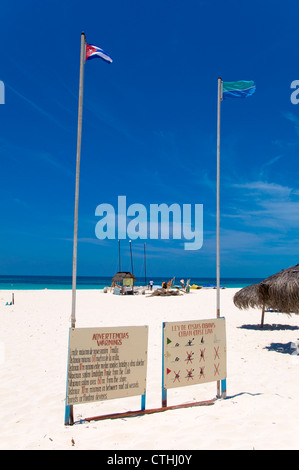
[194, 352]
[106, 363]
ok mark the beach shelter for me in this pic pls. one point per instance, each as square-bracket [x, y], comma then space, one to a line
[281, 290]
[125, 278]
[121, 275]
[250, 297]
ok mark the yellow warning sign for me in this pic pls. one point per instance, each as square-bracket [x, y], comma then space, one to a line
[106, 363]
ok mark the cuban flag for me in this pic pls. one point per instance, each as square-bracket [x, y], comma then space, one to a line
[94, 51]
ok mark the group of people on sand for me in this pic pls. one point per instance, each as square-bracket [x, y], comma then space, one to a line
[169, 284]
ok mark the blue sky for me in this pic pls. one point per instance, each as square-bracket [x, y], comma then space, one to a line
[149, 132]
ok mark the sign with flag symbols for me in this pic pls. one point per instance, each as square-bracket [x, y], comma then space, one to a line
[194, 352]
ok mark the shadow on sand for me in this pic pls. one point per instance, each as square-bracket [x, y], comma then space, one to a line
[282, 348]
[267, 327]
[229, 397]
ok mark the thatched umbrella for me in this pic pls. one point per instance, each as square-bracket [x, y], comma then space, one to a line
[120, 276]
[281, 290]
[250, 297]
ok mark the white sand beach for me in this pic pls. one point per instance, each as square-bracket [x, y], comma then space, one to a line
[262, 406]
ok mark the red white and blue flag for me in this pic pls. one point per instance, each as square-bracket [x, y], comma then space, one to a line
[94, 51]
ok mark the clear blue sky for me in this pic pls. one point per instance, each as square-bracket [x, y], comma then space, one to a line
[149, 132]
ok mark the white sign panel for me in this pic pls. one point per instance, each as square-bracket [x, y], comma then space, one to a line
[194, 352]
[106, 363]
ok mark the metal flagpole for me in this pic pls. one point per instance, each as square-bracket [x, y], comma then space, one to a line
[218, 196]
[132, 265]
[80, 107]
[131, 256]
[218, 212]
[119, 262]
[144, 266]
[69, 410]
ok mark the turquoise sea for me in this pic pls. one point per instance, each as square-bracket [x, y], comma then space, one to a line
[65, 282]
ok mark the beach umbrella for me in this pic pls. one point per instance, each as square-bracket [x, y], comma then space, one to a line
[120, 276]
[250, 297]
[281, 290]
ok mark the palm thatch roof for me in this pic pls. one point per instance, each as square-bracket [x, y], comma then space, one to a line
[121, 275]
[248, 297]
[281, 290]
[251, 297]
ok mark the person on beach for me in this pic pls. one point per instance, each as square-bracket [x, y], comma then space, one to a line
[170, 283]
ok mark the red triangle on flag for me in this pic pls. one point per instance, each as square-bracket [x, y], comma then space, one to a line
[89, 50]
[168, 371]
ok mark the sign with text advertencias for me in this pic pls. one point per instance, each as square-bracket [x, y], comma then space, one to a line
[194, 352]
[106, 363]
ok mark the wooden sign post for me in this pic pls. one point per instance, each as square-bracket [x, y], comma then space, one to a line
[106, 363]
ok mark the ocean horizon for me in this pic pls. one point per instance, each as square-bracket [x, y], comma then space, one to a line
[18, 282]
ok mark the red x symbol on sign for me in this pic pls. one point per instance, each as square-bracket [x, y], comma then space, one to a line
[202, 355]
[216, 369]
[189, 357]
[177, 376]
[216, 353]
[189, 374]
